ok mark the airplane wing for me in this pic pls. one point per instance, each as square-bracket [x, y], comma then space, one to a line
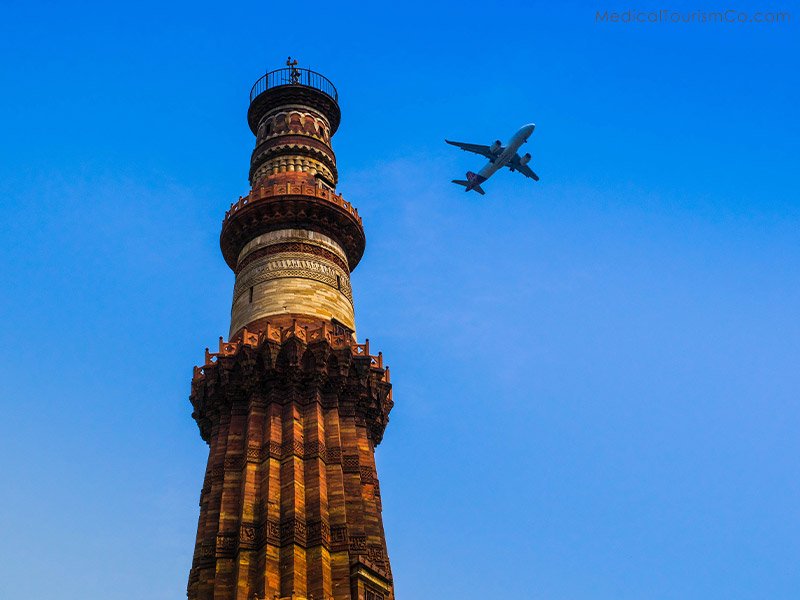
[476, 148]
[515, 164]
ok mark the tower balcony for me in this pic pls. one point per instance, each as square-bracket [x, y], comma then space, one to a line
[292, 205]
[293, 86]
[294, 76]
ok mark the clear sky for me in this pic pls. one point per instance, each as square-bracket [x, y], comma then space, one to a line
[596, 376]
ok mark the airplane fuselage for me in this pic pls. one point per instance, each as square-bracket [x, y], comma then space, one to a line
[503, 157]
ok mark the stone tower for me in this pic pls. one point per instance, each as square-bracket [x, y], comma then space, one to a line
[291, 406]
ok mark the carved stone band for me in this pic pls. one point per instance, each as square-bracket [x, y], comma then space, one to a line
[284, 164]
[292, 271]
[292, 235]
[291, 247]
[292, 264]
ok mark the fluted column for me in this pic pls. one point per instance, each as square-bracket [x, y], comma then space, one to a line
[316, 477]
[293, 528]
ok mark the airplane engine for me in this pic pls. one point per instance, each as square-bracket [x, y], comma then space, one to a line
[495, 148]
[524, 160]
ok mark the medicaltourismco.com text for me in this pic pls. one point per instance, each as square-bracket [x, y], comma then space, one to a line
[665, 15]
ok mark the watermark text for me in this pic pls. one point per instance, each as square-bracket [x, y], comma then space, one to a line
[665, 15]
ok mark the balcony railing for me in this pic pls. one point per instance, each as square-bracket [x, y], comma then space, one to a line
[294, 76]
[291, 189]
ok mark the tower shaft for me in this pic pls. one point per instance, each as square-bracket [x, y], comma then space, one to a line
[291, 406]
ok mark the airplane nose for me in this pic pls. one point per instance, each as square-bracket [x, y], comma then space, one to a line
[529, 128]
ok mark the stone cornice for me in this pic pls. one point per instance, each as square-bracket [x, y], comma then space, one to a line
[292, 205]
[299, 364]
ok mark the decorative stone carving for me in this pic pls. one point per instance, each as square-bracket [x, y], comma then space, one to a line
[293, 264]
[339, 541]
[350, 463]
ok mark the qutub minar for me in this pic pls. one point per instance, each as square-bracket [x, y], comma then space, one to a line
[291, 407]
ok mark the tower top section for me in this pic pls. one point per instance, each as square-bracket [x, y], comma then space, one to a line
[293, 240]
[293, 85]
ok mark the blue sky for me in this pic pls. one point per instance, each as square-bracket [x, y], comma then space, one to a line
[595, 375]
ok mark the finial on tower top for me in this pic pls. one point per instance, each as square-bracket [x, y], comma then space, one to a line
[295, 73]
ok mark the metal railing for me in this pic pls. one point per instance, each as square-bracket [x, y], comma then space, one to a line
[294, 76]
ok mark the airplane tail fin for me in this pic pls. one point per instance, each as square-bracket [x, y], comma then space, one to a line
[475, 182]
[470, 186]
[472, 182]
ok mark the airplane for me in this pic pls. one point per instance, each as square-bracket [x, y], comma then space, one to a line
[499, 157]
